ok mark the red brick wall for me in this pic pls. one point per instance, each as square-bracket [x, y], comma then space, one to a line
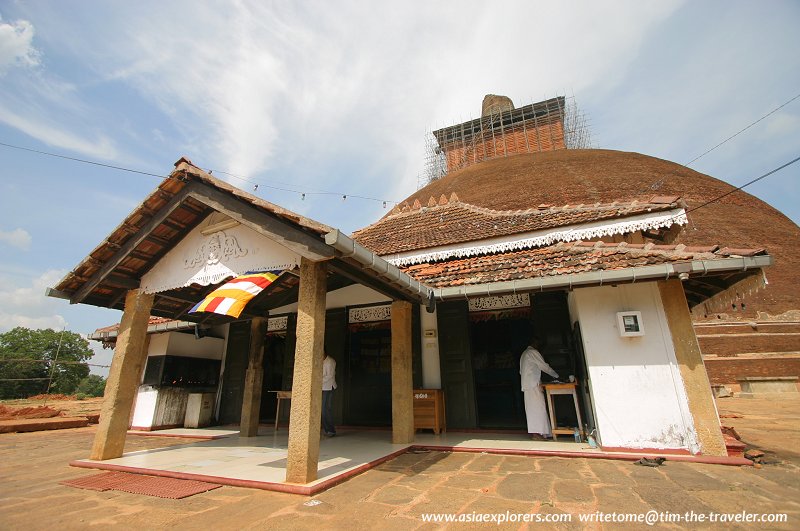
[726, 370]
[702, 329]
[728, 345]
[545, 137]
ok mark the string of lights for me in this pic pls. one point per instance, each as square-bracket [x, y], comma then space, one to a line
[302, 192]
[256, 184]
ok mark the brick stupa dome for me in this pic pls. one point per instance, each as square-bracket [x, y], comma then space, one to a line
[587, 176]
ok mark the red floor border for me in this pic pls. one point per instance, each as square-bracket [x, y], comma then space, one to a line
[704, 459]
[306, 490]
[290, 488]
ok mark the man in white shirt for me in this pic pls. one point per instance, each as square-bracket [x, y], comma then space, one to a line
[328, 385]
[531, 365]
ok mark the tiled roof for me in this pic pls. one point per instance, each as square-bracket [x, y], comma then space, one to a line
[151, 322]
[448, 221]
[562, 259]
[590, 175]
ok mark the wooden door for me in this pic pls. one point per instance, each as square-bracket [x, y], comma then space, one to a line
[236, 354]
[456, 364]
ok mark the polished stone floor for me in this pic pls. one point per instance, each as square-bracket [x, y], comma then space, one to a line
[261, 461]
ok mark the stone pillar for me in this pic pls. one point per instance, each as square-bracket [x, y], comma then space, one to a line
[692, 369]
[254, 379]
[304, 423]
[124, 376]
[402, 379]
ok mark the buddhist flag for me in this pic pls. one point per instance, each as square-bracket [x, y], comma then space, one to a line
[231, 298]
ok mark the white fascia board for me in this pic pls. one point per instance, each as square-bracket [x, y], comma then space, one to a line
[598, 278]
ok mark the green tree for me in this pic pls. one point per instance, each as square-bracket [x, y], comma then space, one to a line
[27, 359]
[92, 385]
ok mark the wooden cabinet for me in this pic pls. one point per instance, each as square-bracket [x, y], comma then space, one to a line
[429, 410]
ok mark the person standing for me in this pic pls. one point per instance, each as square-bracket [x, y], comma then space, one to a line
[328, 385]
[531, 366]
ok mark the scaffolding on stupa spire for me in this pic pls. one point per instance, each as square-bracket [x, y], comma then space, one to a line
[504, 130]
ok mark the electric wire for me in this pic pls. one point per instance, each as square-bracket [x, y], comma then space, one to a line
[56, 362]
[773, 111]
[779, 168]
[256, 184]
[84, 161]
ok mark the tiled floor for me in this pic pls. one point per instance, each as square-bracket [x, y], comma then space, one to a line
[261, 461]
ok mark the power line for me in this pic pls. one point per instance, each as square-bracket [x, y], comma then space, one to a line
[714, 200]
[659, 182]
[84, 161]
[255, 183]
[729, 192]
[773, 111]
[779, 168]
[54, 362]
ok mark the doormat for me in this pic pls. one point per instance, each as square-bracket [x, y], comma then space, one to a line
[140, 484]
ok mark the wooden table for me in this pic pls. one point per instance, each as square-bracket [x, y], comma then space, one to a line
[282, 395]
[567, 388]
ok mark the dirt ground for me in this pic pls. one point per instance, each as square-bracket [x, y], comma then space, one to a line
[66, 405]
[397, 494]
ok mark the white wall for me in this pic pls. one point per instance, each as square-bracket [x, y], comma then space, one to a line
[187, 345]
[145, 407]
[431, 370]
[158, 344]
[182, 344]
[349, 296]
[638, 394]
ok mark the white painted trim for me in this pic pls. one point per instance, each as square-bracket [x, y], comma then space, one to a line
[540, 238]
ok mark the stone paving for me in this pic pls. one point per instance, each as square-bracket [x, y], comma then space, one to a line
[398, 493]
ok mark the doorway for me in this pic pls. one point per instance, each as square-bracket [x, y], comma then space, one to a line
[274, 361]
[369, 376]
[497, 339]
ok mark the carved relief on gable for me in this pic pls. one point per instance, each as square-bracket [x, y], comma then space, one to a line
[218, 247]
[212, 257]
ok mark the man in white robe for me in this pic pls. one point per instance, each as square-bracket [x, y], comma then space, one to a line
[531, 366]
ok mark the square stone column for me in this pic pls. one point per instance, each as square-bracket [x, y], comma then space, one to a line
[691, 367]
[402, 375]
[306, 412]
[254, 379]
[124, 377]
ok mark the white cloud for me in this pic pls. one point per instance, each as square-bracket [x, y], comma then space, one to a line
[28, 306]
[53, 134]
[19, 238]
[271, 83]
[39, 103]
[16, 45]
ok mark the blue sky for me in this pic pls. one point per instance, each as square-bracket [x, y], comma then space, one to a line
[337, 96]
